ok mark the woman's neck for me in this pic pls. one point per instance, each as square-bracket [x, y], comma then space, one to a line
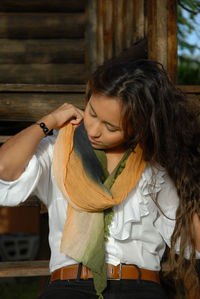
[113, 158]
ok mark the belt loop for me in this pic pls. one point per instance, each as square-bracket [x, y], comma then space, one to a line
[84, 272]
[79, 272]
[139, 273]
[120, 271]
[61, 274]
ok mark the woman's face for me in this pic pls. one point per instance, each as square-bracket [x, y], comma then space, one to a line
[103, 122]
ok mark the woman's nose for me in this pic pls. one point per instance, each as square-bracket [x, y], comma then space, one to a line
[95, 130]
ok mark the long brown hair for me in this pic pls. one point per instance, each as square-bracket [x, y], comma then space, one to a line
[159, 117]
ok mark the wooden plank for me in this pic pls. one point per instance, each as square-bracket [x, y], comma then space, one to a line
[157, 35]
[162, 44]
[190, 88]
[140, 23]
[128, 23]
[162, 34]
[91, 36]
[118, 10]
[108, 29]
[43, 73]
[42, 51]
[76, 88]
[44, 5]
[32, 106]
[42, 25]
[146, 18]
[24, 268]
[172, 40]
[138, 33]
[100, 33]
[152, 26]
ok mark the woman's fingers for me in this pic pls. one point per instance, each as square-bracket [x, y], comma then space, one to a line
[65, 113]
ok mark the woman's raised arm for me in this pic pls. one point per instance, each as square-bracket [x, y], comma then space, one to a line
[18, 150]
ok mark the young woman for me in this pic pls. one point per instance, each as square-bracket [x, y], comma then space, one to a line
[120, 182]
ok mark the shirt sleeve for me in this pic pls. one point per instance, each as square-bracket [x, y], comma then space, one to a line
[34, 180]
[168, 202]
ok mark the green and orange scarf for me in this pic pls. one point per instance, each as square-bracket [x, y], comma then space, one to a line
[78, 174]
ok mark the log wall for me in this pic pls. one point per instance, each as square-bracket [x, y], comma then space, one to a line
[42, 42]
[46, 45]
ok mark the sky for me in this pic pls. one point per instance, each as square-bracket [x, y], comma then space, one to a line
[193, 38]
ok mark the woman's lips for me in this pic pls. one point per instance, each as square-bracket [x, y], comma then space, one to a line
[92, 140]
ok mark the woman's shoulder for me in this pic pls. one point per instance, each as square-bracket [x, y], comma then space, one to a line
[156, 181]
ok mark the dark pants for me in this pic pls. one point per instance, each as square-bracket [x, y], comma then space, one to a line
[116, 289]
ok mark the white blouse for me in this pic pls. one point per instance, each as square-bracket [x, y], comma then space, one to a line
[139, 231]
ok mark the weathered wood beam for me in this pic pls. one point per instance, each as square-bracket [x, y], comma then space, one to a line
[91, 36]
[44, 5]
[43, 73]
[108, 29]
[157, 35]
[190, 88]
[24, 268]
[100, 33]
[32, 106]
[162, 39]
[138, 20]
[73, 88]
[172, 40]
[42, 51]
[42, 25]
[128, 23]
[116, 25]
[118, 35]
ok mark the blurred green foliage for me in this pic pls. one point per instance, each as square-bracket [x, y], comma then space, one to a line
[188, 64]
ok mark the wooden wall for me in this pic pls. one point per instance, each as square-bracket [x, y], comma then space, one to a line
[42, 59]
[115, 26]
[42, 42]
[49, 48]
[162, 34]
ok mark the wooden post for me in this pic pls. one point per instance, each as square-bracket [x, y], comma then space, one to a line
[162, 40]
[172, 40]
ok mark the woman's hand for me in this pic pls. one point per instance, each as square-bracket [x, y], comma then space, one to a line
[17, 151]
[66, 113]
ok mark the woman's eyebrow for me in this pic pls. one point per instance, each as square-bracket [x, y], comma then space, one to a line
[106, 122]
[92, 108]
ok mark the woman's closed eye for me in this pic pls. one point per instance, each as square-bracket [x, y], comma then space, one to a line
[92, 114]
[111, 129]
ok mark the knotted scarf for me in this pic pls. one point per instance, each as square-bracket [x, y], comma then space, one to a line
[78, 174]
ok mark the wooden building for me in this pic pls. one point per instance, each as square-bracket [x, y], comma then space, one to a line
[49, 49]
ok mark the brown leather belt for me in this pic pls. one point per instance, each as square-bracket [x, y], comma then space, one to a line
[113, 272]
